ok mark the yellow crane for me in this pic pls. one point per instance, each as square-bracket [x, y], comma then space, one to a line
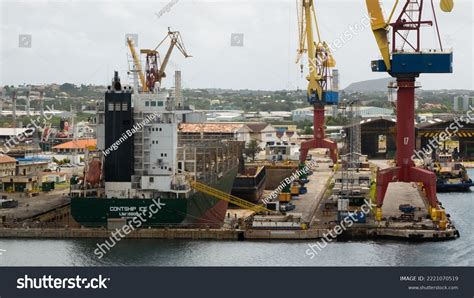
[137, 63]
[227, 197]
[319, 55]
[154, 71]
[175, 41]
[320, 61]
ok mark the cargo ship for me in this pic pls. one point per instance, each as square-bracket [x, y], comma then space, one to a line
[142, 157]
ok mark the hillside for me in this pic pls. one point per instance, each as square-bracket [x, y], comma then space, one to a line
[369, 86]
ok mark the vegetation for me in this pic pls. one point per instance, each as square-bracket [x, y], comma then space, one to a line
[252, 149]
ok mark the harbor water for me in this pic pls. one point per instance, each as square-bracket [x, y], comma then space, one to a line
[460, 252]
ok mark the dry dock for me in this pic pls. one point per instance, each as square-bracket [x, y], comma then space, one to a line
[312, 207]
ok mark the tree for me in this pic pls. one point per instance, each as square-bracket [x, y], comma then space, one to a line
[252, 149]
[308, 130]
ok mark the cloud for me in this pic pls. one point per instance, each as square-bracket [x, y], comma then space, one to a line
[83, 41]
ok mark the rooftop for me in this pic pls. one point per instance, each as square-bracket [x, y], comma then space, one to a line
[77, 144]
[6, 132]
[6, 159]
[210, 127]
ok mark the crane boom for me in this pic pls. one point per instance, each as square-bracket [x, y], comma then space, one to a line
[176, 41]
[138, 65]
[320, 60]
[380, 28]
[227, 197]
[308, 45]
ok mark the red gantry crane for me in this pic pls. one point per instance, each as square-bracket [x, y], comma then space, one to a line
[404, 60]
[320, 63]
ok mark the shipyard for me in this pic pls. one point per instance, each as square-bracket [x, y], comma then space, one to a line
[375, 160]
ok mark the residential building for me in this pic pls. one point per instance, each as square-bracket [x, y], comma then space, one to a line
[26, 175]
[76, 146]
[7, 165]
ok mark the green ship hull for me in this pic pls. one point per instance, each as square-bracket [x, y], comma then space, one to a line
[199, 210]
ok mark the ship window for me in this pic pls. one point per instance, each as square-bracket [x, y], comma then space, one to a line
[161, 129]
[124, 107]
[160, 103]
[161, 154]
[117, 107]
[153, 103]
[111, 107]
[152, 180]
[147, 103]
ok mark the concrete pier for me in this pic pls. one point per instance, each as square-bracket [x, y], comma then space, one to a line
[308, 203]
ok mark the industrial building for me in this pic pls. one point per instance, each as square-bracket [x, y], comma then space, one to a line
[377, 137]
[460, 141]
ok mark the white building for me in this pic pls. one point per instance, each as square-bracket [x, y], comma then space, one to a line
[263, 133]
[462, 103]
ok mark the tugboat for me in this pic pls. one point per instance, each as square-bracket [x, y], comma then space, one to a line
[451, 175]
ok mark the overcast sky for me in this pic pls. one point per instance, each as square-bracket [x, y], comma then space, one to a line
[84, 41]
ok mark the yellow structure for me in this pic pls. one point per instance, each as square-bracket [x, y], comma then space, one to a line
[138, 64]
[227, 197]
[319, 54]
